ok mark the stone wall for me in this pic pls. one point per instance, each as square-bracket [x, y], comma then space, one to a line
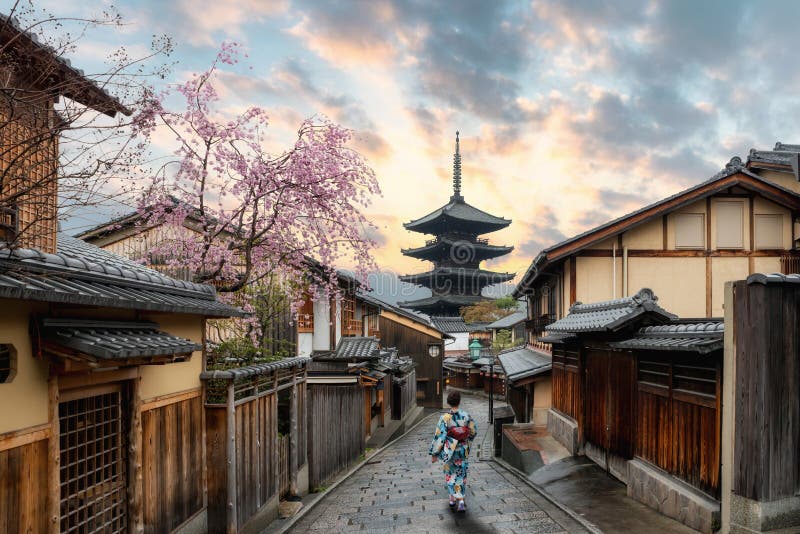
[672, 497]
[565, 430]
[749, 516]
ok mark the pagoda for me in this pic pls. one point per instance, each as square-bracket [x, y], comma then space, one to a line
[456, 252]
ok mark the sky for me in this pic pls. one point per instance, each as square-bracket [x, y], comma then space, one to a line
[571, 112]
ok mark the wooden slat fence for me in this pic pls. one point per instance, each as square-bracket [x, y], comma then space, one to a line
[335, 429]
[23, 487]
[285, 481]
[567, 383]
[172, 464]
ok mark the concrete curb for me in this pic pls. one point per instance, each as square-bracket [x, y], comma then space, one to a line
[588, 525]
[310, 506]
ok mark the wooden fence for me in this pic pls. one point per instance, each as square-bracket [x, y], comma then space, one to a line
[243, 445]
[335, 429]
[284, 471]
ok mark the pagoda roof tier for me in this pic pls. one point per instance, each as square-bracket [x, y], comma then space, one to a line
[457, 248]
[441, 303]
[484, 278]
[457, 215]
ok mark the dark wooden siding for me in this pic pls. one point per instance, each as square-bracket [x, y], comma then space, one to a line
[610, 379]
[677, 423]
[766, 466]
[23, 488]
[520, 400]
[413, 343]
[335, 429]
[172, 462]
[567, 382]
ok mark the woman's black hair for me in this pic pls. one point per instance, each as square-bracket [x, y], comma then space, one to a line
[454, 399]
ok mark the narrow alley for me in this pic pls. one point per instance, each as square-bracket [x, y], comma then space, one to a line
[399, 490]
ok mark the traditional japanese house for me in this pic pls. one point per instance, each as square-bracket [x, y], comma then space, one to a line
[456, 253]
[412, 335]
[494, 376]
[462, 372]
[101, 414]
[528, 383]
[638, 391]
[458, 330]
[514, 323]
[743, 220]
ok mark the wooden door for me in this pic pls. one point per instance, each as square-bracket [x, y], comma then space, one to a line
[609, 410]
[93, 471]
[596, 410]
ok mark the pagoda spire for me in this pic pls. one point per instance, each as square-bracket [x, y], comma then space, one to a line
[457, 171]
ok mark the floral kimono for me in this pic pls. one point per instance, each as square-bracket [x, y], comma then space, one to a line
[452, 453]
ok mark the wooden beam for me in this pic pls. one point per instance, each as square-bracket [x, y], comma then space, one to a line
[230, 496]
[53, 457]
[685, 253]
[97, 377]
[18, 438]
[708, 286]
[664, 244]
[135, 480]
[172, 398]
[573, 276]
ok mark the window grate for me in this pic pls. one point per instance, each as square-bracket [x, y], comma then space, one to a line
[93, 465]
[7, 363]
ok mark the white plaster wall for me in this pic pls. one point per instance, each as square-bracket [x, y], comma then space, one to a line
[305, 343]
[322, 326]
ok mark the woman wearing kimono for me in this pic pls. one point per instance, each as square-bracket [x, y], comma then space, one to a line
[451, 443]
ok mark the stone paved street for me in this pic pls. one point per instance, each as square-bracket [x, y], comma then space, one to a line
[400, 490]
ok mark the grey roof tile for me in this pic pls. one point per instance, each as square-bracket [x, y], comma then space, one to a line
[702, 337]
[522, 362]
[356, 348]
[256, 369]
[80, 273]
[460, 211]
[773, 278]
[114, 340]
[450, 325]
[611, 315]
[508, 321]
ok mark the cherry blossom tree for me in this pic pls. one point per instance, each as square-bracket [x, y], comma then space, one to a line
[254, 213]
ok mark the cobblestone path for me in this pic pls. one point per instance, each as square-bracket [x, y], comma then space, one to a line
[399, 490]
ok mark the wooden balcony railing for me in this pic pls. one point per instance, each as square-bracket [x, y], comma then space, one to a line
[790, 262]
[352, 327]
[538, 324]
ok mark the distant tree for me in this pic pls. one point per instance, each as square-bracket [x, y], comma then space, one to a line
[486, 311]
[506, 303]
[502, 340]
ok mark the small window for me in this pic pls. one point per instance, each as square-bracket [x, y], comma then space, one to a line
[8, 363]
[730, 225]
[769, 231]
[690, 230]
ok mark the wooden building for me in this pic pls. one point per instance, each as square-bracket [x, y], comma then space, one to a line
[101, 415]
[638, 391]
[528, 383]
[685, 247]
[456, 252]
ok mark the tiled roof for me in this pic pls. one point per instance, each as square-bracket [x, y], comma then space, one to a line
[483, 360]
[783, 154]
[611, 315]
[356, 348]
[557, 337]
[457, 363]
[702, 337]
[79, 88]
[256, 369]
[80, 273]
[733, 167]
[460, 211]
[446, 244]
[483, 275]
[508, 320]
[450, 325]
[437, 300]
[773, 278]
[522, 362]
[107, 340]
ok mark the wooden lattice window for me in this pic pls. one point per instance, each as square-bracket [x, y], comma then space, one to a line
[93, 474]
[350, 326]
[8, 363]
[305, 317]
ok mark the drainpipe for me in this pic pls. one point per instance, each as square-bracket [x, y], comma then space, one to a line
[624, 271]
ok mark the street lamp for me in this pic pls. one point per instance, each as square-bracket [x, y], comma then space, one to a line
[491, 389]
[475, 349]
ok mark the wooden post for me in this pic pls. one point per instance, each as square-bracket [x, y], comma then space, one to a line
[135, 484]
[293, 435]
[231, 454]
[54, 458]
